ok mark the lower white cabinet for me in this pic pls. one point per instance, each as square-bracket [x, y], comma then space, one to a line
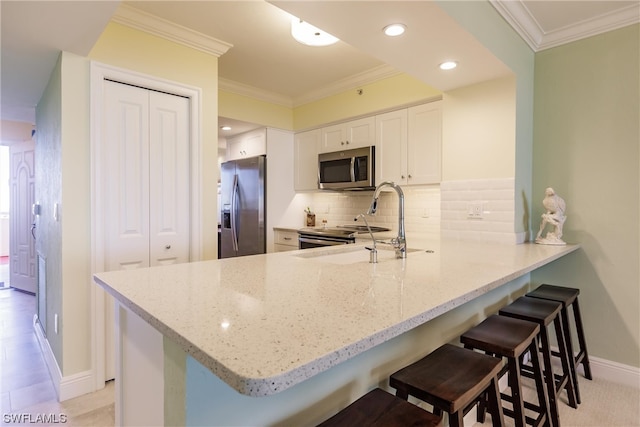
[285, 240]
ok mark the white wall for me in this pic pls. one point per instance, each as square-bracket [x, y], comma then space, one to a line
[280, 190]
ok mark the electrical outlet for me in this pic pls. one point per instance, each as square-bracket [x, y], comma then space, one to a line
[475, 210]
[55, 323]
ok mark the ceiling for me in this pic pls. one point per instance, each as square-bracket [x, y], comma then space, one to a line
[267, 63]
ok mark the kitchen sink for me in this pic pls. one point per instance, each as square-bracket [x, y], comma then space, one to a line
[353, 254]
[363, 228]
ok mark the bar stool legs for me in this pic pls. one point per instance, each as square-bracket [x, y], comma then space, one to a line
[569, 297]
[543, 312]
[511, 338]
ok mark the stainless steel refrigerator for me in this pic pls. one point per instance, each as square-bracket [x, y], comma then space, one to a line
[243, 207]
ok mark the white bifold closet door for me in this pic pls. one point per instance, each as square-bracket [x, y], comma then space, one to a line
[146, 181]
[146, 178]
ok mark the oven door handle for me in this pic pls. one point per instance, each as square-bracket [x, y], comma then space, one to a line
[325, 242]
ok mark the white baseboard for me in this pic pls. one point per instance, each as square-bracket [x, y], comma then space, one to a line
[66, 387]
[614, 372]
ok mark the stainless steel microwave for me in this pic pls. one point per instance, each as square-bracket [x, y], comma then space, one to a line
[347, 169]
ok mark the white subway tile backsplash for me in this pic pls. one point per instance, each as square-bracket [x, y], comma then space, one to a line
[434, 209]
[497, 197]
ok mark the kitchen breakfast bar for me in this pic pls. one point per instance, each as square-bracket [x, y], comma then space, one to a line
[290, 338]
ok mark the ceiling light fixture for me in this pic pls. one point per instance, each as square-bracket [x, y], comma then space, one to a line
[306, 33]
[394, 30]
[448, 65]
[225, 127]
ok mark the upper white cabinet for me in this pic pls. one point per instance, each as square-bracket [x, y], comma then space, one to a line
[248, 144]
[409, 145]
[352, 134]
[391, 147]
[305, 160]
[424, 143]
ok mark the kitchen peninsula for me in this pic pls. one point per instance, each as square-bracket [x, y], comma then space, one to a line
[291, 337]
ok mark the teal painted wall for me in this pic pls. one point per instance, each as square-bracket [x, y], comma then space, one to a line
[586, 146]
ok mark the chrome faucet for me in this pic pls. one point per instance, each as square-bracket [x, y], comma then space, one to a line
[373, 252]
[399, 243]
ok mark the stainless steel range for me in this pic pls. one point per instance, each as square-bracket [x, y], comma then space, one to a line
[315, 237]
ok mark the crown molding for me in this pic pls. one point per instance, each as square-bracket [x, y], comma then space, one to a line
[521, 20]
[591, 27]
[524, 23]
[360, 79]
[143, 21]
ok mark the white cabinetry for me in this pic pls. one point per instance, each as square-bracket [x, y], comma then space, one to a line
[305, 162]
[248, 144]
[409, 145]
[391, 147]
[352, 134]
[285, 240]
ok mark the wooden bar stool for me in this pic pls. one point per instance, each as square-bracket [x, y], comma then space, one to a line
[511, 338]
[569, 298]
[543, 312]
[451, 379]
[382, 409]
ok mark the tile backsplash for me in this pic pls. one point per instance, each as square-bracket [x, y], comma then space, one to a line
[421, 208]
[493, 198]
[441, 210]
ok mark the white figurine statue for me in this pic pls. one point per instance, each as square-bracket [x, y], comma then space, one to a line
[554, 216]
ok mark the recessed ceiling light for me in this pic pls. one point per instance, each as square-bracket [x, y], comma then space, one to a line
[306, 33]
[225, 127]
[448, 65]
[394, 29]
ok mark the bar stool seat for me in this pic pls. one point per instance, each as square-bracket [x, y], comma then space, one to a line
[381, 409]
[543, 312]
[451, 379]
[510, 338]
[569, 298]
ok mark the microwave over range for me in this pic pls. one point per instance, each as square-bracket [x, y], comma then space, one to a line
[347, 169]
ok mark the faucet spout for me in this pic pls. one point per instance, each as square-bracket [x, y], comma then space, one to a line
[373, 252]
[400, 242]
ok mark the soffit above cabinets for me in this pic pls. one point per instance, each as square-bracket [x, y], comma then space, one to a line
[264, 60]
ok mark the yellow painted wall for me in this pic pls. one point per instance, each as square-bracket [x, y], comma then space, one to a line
[479, 131]
[385, 94]
[252, 110]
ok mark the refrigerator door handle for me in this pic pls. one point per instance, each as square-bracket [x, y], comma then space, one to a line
[234, 213]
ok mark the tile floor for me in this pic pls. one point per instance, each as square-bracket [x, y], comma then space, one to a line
[26, 390]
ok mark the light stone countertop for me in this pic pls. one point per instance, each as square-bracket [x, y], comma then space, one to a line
[264, 323]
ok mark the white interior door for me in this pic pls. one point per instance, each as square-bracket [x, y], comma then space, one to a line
[22, 257]
[146, 182]
[126, 177]
[169, 184]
